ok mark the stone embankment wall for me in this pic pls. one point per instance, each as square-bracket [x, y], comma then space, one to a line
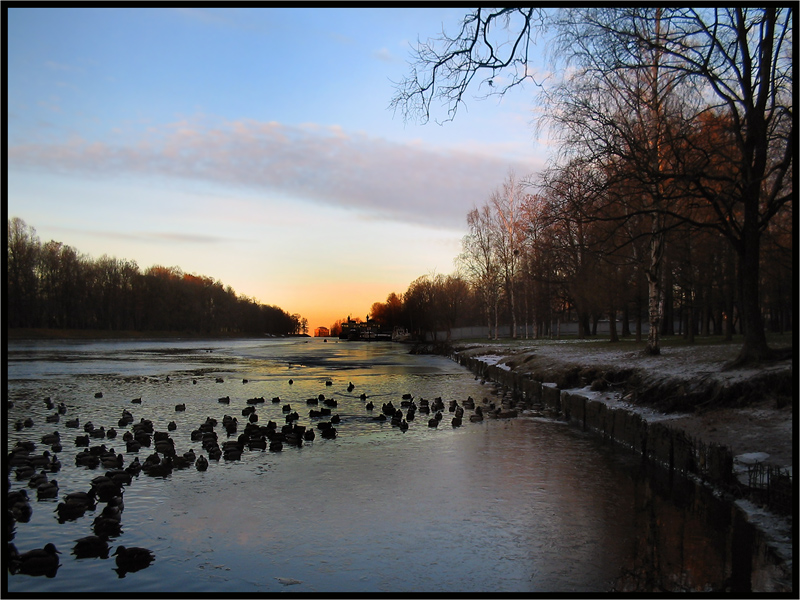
[655, 442]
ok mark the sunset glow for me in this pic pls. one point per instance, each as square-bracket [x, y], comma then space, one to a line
[252, 146]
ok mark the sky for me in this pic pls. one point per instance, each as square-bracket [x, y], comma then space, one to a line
[255, 146]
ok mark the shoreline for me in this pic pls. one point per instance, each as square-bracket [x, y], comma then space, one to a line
[709, 436]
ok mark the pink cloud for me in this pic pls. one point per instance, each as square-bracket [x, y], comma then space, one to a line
[381, 178]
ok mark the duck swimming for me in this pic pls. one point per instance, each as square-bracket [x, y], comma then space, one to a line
[42, 561]
[130, 560]
[91, 546]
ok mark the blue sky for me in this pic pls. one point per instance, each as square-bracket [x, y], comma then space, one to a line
[254, 146]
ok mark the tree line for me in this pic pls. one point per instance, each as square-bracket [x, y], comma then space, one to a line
[53, 286]
[671, 190]
[530, 262]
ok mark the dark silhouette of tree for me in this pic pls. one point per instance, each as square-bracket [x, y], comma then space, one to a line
[52, 286]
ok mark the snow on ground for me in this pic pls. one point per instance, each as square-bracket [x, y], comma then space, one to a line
[761, 429]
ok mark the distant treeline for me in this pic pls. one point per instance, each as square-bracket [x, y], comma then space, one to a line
[52, 286]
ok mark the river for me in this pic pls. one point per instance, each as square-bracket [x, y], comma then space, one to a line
[512, 505]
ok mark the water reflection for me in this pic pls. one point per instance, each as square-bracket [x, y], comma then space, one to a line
[499, 506]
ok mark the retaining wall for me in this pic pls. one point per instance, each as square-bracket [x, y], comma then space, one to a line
[655, 442]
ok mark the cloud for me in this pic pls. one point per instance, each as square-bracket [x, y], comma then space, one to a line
[377, 177]
[385, 55]
[148, 236]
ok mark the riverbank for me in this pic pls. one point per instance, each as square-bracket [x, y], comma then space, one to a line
[749, 410]
[730, 428]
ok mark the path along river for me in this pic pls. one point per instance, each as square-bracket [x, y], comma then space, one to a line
[512, 505]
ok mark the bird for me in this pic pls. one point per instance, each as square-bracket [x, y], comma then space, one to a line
[130, 560]
[47, 490]
[70, 511]
[91, 546]
[41, 561]
[87, 498]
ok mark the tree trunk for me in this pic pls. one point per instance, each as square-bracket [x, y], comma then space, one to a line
[653, 273]
[755, 346]
[626, 322]
[612, 325]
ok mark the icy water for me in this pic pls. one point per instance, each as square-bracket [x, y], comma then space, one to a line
[522, 505]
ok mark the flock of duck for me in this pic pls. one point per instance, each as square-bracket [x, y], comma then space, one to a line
[105, 495]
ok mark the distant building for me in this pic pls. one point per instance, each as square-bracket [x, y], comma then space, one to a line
[322, 332]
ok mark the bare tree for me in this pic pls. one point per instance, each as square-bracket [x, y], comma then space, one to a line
[478, 259]
[733, 63]
[490, 41]
[508, 209]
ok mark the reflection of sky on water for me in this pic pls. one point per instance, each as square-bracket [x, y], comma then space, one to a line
[518, 506]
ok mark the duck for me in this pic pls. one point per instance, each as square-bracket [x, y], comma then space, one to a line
[20, 507]
[112, 461]
[73, 423]
[180, 407]
[120, 477]
[106, 528]
[40, 460]
[69, 511]
[350, 387]
[105, 488]
[91, 546]
[87, 459]
[41, 561]
[135, 467]
[86, 499]
[201, 464]
[162, 469]
[133, 559]
[37, 479]
[47, 490]
[25, 472]
[111, 512]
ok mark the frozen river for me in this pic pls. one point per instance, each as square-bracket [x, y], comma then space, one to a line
[521, 505]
